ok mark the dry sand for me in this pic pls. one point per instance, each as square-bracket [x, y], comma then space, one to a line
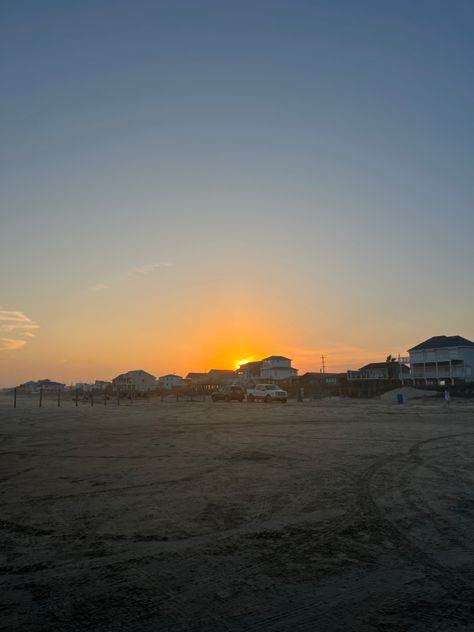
[322, 516]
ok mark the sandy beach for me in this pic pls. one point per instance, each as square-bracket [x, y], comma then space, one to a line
[333, 515]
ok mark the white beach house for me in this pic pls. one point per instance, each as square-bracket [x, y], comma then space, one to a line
[170, 381]
[277, 368]
[138, 381]
[442, 359]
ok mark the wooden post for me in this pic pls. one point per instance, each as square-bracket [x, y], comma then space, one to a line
[92, 398]
[59, 397]
[105, 400]
[118, 398]
[41, 397]
[14, 398]
[77, 396]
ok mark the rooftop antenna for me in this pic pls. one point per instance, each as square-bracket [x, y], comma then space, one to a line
[322, 360]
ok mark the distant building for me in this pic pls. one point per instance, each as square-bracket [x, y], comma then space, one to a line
[277, 368]
[83, 386]
[442, 359]
[102, 385]
[170, 381]
[221, 376]
[99, 385]
[28, 387]
[47, 386]
[272, 369]
[315, 378]
[249, 372]
[214, 377]
[380, 371]
[138, 381]
[196, 377]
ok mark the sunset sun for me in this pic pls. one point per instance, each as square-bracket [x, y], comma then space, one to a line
[239, 363]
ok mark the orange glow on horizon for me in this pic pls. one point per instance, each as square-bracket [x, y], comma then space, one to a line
[239, 363]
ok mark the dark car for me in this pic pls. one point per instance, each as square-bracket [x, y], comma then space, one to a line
[228, 393]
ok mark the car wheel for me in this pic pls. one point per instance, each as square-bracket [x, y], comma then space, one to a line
[251, 398]
[268, 399]
[214, 399]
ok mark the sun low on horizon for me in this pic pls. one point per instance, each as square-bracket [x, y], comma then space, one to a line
[239, 363]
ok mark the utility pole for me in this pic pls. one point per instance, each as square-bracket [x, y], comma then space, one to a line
[322, 360]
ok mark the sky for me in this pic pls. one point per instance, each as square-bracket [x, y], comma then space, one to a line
[186, 184]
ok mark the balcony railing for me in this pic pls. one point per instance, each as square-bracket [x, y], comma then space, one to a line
[442, 373]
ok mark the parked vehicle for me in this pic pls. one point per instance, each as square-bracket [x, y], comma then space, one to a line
[267, 393]
[228, 393]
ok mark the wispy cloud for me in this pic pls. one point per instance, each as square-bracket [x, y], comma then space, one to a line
[14, 316]
[133, 273]
[98, 287]
[15, 324]
[142, 271]
[10, 344]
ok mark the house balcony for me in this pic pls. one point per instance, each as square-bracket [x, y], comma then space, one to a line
[439, 371]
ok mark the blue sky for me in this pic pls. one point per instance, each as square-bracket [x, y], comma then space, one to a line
[327, 146]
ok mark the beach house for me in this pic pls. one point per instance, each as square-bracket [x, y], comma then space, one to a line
[170, 381]
[442, 359]
[137, 381]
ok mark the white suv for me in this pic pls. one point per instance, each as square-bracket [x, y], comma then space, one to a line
[267, 393]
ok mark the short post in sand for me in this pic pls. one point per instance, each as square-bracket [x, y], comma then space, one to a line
[59, 397]
[92, 398]
[77, 397]
[14, 398]
[41, 397]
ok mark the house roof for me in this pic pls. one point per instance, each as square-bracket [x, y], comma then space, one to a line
[276, 357]
[191, 375]
[221, 372]
[130, 373]
[441, 342]
[248, 366]
[375, 365]
[170, 375]
[50, 383]
[384, 365]
[140, 371]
